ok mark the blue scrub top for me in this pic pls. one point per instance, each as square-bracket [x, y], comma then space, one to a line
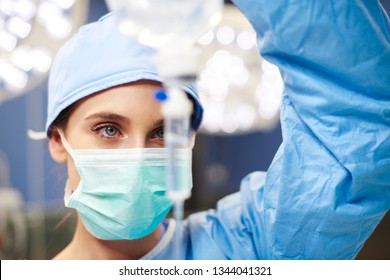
[329, 184]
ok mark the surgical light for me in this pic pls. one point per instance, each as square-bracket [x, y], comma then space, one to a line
[241, 92]
[31, 32]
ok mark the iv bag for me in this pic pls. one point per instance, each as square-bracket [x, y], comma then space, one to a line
[158, 22]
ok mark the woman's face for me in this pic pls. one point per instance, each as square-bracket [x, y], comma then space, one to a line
[126, 116]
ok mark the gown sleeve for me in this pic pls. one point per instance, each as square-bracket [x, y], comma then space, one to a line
[329, 184]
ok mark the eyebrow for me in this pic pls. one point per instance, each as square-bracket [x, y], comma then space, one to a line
[118, 118]
[108, 117]
[158, 123]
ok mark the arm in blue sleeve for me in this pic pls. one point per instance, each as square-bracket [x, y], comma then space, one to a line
[329, 184]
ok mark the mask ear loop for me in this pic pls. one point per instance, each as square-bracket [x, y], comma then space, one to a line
[64, 142]
[68, 189]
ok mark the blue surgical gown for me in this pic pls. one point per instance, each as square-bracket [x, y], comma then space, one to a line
[329, 184]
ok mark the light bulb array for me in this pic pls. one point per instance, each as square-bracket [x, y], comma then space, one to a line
[30, 34]
[241, 92]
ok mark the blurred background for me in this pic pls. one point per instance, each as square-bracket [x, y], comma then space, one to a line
[240, 133]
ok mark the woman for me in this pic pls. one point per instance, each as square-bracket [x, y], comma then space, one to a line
[327, 187]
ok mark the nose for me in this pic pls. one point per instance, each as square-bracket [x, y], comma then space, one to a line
[137, 140]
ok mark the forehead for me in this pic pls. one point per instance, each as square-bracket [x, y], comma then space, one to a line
[134, 101]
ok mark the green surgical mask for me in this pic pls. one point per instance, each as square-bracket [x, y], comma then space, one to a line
[122, 192]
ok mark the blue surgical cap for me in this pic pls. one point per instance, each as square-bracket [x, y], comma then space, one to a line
[99, 57]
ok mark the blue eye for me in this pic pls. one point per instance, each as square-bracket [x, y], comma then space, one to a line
[160, 133]
[156, 138]
[111, 131]
[107, 130]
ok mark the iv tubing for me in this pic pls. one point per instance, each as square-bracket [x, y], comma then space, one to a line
[178, 237]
